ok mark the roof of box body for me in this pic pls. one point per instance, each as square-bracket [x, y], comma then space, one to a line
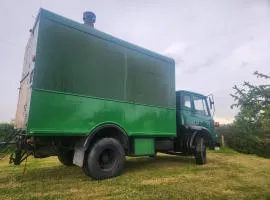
[189, 92]
[99, 34]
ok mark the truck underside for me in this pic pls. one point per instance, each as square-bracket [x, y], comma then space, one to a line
[66, 147]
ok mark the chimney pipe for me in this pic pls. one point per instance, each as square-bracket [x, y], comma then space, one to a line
[89, 18]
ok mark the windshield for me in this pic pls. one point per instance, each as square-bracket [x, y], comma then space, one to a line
[200, 105]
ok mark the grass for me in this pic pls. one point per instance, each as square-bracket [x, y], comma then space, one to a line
[228, 175]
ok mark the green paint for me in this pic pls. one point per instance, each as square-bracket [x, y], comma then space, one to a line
[84, 78]
[53, 113]
[144, 146]
[76, 59]
[45, 14]
[191, 116]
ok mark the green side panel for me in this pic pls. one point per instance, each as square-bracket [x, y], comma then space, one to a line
[54, 113]
[144, 146]
[73, 58]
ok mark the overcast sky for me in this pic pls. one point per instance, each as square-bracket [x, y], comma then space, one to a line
[216, 44]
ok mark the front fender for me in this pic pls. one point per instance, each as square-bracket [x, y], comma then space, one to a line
[200, 131]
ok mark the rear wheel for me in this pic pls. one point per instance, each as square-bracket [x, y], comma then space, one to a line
[200, 150]
[66, 157]
[105, 159]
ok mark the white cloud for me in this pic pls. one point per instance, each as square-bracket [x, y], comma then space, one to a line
[176, 48]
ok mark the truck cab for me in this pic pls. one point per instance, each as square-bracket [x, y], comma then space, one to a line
[194, 114]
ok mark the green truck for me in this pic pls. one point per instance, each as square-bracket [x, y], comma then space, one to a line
[91, 99]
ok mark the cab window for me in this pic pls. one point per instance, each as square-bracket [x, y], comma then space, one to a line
[187, 101]
[200, 105]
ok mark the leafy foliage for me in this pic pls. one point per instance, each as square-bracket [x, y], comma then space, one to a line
[252, 123]
[243, 142]
[254, 105]
[6, 129]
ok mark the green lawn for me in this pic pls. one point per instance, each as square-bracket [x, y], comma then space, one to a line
[228, 175]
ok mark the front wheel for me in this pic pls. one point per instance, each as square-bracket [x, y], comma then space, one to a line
[200, 150]
[105, 159]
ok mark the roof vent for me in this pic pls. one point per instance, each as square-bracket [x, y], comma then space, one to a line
[89, 18]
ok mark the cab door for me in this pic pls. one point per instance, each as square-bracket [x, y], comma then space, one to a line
[186, 109]
[201, 112]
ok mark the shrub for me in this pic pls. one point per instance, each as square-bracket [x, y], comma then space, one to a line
[244, 142]
[5, 130]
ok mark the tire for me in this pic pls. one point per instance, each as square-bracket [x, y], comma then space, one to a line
[200, 151]
[105, 159]
[66, 157]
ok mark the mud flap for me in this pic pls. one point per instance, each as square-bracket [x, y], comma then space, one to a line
[79, 151]
[79, 157]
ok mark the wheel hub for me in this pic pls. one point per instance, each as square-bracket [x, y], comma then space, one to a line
[107, 159]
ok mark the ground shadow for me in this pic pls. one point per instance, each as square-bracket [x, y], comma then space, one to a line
[132, 165]
[140, 163]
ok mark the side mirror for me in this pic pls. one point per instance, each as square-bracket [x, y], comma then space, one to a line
[211, 102]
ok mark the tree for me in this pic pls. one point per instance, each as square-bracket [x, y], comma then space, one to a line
[253, 102]
[253, 119]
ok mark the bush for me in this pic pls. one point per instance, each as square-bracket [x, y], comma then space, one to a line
[6, 130]
[263, 148]
[244, 142]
